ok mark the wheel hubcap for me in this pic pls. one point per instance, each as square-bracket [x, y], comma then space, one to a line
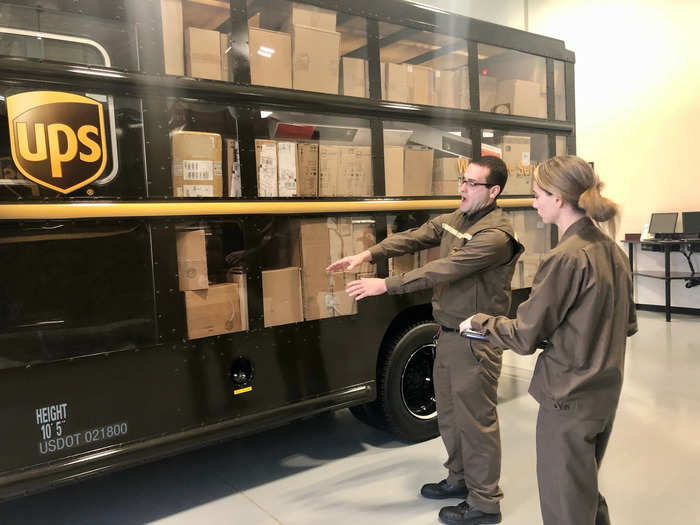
[417, 389]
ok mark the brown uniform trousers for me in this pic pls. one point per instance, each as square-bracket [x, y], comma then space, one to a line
[581, 301]
[466, 383]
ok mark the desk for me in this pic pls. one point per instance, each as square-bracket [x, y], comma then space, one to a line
[666, 246]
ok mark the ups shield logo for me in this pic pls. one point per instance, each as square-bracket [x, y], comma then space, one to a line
[57, 139]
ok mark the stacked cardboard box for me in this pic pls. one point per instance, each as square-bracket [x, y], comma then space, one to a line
[395, 82]
[266, 162]
[233, 168]
[516, 155]
[393, 170]
[270, 58]
[421, 85]
[409, 83]
[203, 53]
[354, 77]
[446, 89]
[286, 169]
[345, 171]
[307, 169]
[173, 37]
[445, 176]
[488, 91]
[196, 165]
[282, 303]
[310, 16]
[521, 97]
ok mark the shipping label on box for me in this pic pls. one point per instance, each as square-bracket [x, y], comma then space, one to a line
[328, 170]
[287, 168]
[203, 53]
[315, 60]
[191, 260]
[307, 169]
[213, 311]
[196, 167]
[282, 303]
[516, 155]
[266, 160]
[233, 168]
[270, 58]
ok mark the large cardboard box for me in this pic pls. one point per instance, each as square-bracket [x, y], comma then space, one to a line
[307, 169]
[233, 168]
[270, 58]
[235, 275]
[315, 59]
[395, 82]
[191, 260]
[418, 171]
[315, 257]
[447, 169]
[282, 302]
[345, 171]
[310, 16]
[488, 90]
[421, 85]
[446, 89]
[287, 169]
[203, 53]
[531, 231]
[224, 53]
[213, 311]
[173, 37]
[393, 171]
[516, 155]
[463, 93]
[354, 74]
[445, 188]
[196, 168]
[266, 162]
[522, 97]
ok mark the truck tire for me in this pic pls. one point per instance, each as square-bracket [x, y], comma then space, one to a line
[405, 390]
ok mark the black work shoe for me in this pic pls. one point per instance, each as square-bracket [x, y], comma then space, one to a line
[463, 514]
[442, 490]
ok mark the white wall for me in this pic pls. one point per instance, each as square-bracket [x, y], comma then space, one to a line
[504, 12]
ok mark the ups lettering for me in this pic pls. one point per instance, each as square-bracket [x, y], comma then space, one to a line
[57, 139]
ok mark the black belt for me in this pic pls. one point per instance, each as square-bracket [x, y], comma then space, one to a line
[448, 329]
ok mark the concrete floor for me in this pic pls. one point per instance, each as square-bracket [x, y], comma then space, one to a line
[334, 469]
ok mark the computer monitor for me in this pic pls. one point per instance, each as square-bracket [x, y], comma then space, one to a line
[691, 222]
[663, 222]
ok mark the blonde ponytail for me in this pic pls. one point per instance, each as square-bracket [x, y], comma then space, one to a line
[577, 183]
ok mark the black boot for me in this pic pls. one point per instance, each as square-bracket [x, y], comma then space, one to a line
[443, 490]
[463, 514]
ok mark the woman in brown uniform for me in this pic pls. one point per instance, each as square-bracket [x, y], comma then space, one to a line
[581, 302]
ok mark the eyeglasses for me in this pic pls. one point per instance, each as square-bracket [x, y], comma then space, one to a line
[472, 183]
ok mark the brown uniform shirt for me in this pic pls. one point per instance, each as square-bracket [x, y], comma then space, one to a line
[581, 301]
[478, 253]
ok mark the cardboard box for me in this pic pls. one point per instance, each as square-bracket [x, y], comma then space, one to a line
[516, 155]
[418, 171]
[523, 97]
[528, 268]
[307, 169]
[202, 53]
[224, 54]
[196, 168]
[173, 37]
[446, 169]
[393, 170]
[421, 85]
[446, 89]
[395, 82]
[531, 232]
[270, 58]
[235, 275]
[310, 16]
[315, 59]
[233, 168]
[345, 171]
[266, 162]
[315, 257]
[463, 93]
[214, 311]
[354, 74]
[191, 260]
[488, 90]
[282, 296]
[254, 21]
[445, 187]
[287, 169]
[351, 235]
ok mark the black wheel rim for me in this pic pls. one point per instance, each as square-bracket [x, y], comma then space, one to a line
[417, 389]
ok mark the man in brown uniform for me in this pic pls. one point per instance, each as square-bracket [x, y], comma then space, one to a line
[581, 301]
[478, 252]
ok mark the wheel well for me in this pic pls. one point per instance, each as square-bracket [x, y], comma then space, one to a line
[405, 318]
